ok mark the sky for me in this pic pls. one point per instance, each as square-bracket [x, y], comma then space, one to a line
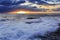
[9, 5]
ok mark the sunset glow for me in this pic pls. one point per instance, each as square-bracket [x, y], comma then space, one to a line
[21, 12]
[34, 12]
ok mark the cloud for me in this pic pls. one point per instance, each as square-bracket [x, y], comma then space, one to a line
[9, 5]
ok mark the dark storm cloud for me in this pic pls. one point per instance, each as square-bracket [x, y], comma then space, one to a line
[9, 5]
[10, 2]
[15, 2]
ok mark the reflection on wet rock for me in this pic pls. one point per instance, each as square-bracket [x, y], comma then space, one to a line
[49, 36]
[54, 35]
[37, 37]
[58, 24]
